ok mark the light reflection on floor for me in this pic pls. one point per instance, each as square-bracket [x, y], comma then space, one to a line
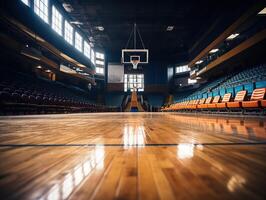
[133, 136]
[66, 185]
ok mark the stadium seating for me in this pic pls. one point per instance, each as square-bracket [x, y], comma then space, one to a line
[205, 105]
[23, 94]
[241, 91]
[201, 102]
[214, 102]
[226, 98]
[256, 98]
[237, 103]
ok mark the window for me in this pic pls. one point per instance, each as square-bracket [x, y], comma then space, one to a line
[100, 55]
[41, 9]
[26, 2]
[78, 41]
[92, 56]
[100, 62]
[99, 70]
[134, 81]
[87, 49]
[181, 69]
[68, 33]
[191, 81]
[56, 21]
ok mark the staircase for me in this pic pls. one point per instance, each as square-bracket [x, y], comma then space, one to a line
[134, 104]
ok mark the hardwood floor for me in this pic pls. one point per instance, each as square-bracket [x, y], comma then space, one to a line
[132, 156]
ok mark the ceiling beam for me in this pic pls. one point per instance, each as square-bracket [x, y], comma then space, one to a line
[235, 51]
[251, 12]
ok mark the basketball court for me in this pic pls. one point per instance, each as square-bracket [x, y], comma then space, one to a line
[132, 100]
[132, 156]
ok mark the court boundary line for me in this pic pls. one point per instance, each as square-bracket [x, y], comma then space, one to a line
[135, 145]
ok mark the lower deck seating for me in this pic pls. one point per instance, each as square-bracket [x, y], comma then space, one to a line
[240, 102]
[240, 97]
[256, 100]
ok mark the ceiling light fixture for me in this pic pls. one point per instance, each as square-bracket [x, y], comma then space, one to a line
[199, 62]
[48, 70]
[39, 67]
[232, 36]
[68, 7]
[262, 12]
[76, 22]
[100, 28]
[214, 50]
[170, 28]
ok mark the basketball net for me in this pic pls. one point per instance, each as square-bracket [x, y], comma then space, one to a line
[135, 63]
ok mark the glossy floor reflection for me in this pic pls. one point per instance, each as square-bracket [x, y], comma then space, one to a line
[132, 156]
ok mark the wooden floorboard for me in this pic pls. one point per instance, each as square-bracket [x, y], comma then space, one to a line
[132, 156]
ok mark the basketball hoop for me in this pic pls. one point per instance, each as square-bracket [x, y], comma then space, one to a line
[135, 55]
[135, 63]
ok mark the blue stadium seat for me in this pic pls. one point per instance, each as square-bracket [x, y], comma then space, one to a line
[260, 84]
[230, 90]
[222, 91]
[238, 88]
[249, 87]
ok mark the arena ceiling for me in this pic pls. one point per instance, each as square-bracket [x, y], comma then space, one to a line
[194, 23]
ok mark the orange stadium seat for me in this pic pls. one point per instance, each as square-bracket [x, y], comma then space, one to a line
[226, 98]
[195, 104]
[237, 103]
[263, 103]
[257, 96]
[180, 105]
[202, 101]
[204, 106]
[214, 102]
[188, 105]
